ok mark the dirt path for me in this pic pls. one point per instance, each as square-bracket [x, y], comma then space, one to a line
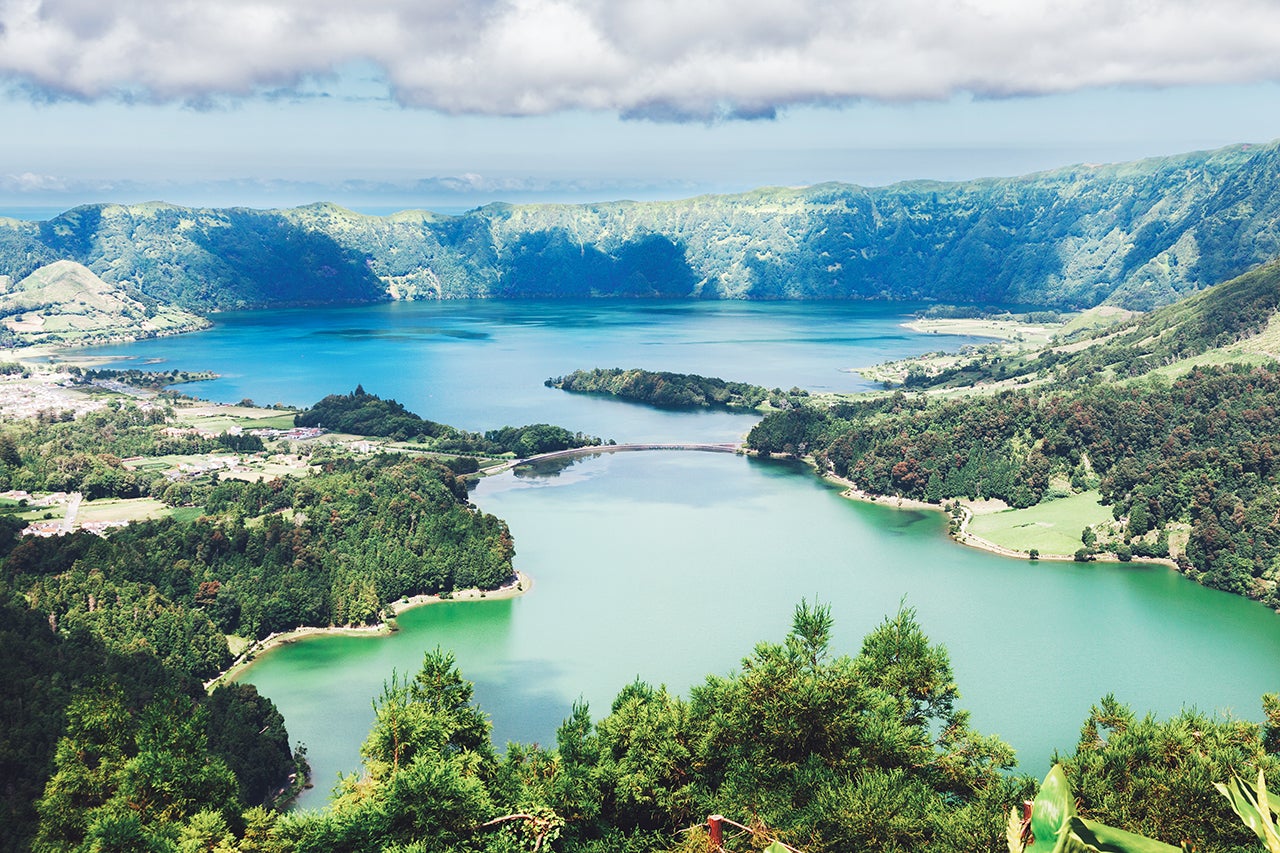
[69, 514]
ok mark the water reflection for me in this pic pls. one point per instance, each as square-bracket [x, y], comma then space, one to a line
[546, 469]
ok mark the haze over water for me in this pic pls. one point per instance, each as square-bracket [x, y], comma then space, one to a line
[668, 566]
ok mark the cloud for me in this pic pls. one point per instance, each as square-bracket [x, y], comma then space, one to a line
[664, 60]
[467, 189]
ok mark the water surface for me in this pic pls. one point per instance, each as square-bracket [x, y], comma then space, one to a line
[668, 566]
[481, 364]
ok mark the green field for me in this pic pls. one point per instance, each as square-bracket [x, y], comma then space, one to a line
[174, 460]
[1051, 528]
[121, 509]
[184, 514]
[223, 422]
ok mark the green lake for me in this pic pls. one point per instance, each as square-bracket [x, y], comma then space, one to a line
[667, 566]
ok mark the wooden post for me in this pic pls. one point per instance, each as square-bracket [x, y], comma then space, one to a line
[715, 828]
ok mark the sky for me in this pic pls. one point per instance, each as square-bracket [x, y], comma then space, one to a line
[448, 104]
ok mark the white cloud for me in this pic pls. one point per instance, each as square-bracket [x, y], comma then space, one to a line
[667, 59]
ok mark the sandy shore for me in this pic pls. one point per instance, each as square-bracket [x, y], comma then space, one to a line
[997, 329]
[513, 589]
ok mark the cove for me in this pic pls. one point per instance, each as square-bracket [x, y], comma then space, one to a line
[668, 566]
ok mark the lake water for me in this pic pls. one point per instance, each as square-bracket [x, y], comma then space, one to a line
[667, 566]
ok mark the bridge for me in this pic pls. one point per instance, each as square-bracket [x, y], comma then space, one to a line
[730, 447]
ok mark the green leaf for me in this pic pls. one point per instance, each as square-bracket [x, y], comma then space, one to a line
[1051, 810]
[776, 847]
[1087, 836]
[1252, 805]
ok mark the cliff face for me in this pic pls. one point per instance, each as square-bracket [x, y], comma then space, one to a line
[1137, 235]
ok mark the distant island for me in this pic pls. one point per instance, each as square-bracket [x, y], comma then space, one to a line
[674, 390]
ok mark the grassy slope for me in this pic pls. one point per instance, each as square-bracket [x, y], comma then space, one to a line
[66, 303]
[1232, 322]
[1052, 527]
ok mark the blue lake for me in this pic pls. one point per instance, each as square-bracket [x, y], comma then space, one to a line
[668, 566]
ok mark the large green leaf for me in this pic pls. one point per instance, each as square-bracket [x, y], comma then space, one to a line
[1053, 807]
[1253, 806]
[1057, 828]
[1086, 836]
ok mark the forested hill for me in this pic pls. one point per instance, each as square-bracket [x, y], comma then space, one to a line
[1233, 322]
[1138, 235]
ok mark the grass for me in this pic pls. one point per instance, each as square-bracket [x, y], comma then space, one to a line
[1000, 328]
[270, 469]
[152, 464]
[222, 422]
[1102, 317]
[185, 514]
[174, 460]
[121, 509]
[42, 513]
[1051, 528]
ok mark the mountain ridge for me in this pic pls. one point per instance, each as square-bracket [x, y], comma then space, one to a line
[1137, 235]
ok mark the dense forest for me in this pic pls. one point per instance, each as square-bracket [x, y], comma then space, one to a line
[105, 641]
[1134, 234]
[362, 413]
[673, 390]
[1193, 450]
[819, 751]
[329, 549]
[97, 736]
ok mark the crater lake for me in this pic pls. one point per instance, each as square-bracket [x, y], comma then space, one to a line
[667, 566]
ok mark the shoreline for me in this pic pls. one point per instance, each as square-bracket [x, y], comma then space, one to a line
[962, 536]
[47, 350]
[998, 329]
[518, 586]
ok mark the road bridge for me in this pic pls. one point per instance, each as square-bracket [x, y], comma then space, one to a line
[729, 447]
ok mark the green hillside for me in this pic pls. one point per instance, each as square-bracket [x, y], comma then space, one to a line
[65, 303]
[1234, 322]
[1136, 234]
[1169, 415]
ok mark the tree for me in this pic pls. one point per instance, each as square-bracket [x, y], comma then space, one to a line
[119, 772]
[1156, 777]
[247, 731]
[798, 734]
[428, 763]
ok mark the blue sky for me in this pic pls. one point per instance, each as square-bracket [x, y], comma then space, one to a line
[447, 104]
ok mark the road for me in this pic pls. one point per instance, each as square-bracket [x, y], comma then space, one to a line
[732, 447]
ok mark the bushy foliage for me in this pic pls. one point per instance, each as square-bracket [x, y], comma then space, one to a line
[117, 749]
[673, 390]
[1190, 451]
[1156, 777]
[362, 413]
